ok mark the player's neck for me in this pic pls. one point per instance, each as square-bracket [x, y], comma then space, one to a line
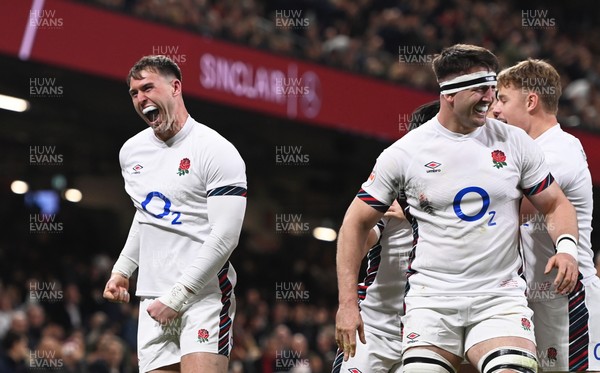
[181, 118]
[541, 123]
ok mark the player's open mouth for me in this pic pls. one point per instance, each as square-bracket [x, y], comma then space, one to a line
[151, 112]
[482, 109]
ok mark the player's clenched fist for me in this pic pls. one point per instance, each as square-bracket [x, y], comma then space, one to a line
[116, 288]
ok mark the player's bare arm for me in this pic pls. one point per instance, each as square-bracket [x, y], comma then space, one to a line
[561, 219]
[395, 211]
[527, 210]
[117, 287]
[352, 247]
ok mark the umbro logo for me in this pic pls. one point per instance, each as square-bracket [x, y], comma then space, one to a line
[433, 166]
[413, 337]
[136, 169]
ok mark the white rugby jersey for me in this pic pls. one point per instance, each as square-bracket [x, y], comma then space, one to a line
[464, 191]
[568, 164]
[169, 183]
[381, 293]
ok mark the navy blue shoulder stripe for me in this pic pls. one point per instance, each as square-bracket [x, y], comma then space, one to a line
[539, 186]
[228, 191]
[371, 201]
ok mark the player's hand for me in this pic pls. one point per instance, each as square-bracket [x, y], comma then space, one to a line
[162, 313]
[347, 323]
[116, 289]
[568, 271]
[395, 211]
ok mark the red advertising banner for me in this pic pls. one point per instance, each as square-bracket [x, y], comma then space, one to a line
[91, 40]
[106, 43]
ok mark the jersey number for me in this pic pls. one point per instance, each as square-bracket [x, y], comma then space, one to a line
[166, 208]
[485, 198]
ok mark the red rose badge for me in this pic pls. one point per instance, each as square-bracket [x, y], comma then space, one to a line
[498, 158]
[184, 167]
[202, 335]
[526, 324]
[552, 353]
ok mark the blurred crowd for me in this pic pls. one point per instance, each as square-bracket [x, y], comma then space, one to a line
[53, 317]
[395, 40]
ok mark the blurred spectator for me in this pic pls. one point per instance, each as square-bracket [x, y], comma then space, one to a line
[109, 355]
[6, 310]
[36, 318]
[73, 353]
[47, 356]
[19, 323]
[14, 353]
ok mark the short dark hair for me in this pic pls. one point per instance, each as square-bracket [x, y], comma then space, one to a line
[460, 58]
[159, 64]
[10, 339]
[423, 113]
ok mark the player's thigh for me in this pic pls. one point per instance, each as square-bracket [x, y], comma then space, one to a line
[467, 367]
[504, 351]
[497, 319]
[551, 319]
[430, 359]
[435, 321]
[501, 333]
[563, 319]
[206, 325]
[204, 362]
[158, 345]
[378, 355]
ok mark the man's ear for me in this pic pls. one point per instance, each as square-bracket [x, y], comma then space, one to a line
[176, 87]
[532, 101]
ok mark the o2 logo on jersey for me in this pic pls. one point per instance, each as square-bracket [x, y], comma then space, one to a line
[485, 198]
[597, 351]
[166, 210]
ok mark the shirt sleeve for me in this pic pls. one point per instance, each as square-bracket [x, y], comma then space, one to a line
[226, 204]
[535, 174]
[384, 182]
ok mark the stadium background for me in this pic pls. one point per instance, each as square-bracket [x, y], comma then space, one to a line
[357, 70]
